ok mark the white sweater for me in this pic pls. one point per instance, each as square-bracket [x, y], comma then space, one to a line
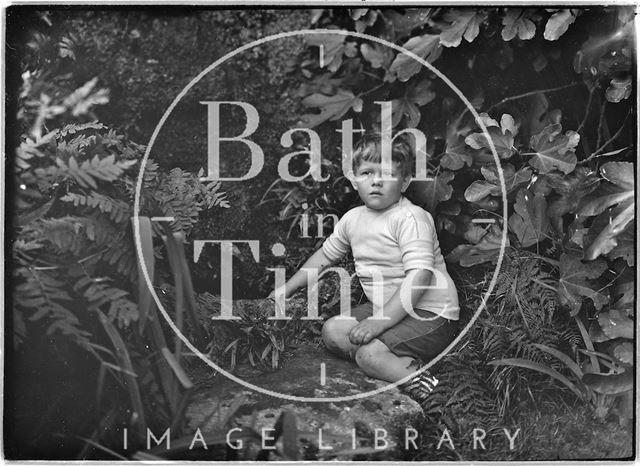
[386, 245]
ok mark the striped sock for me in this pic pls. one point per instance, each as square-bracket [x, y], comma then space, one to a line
[420, 387]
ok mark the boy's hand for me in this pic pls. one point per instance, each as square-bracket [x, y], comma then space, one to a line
[366, 331]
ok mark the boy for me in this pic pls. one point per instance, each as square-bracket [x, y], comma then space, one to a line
[396, 255]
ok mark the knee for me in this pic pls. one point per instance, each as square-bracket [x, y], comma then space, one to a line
[332, 333]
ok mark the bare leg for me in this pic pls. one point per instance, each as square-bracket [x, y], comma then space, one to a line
[335, 333]
[377, 361]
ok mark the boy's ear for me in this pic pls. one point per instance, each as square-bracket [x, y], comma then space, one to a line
[353, 182]
[406, 181]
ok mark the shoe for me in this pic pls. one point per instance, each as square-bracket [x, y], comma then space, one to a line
[420, 387]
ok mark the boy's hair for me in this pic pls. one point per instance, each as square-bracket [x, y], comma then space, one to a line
[369, 149]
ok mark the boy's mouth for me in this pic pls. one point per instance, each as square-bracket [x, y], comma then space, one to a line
[375, 193]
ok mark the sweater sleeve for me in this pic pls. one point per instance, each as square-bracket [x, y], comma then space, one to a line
[415, 232]
[338, 244]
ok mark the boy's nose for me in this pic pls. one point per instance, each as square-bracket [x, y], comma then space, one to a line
[377, 180]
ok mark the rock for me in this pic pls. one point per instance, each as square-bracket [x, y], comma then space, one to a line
[329, 423]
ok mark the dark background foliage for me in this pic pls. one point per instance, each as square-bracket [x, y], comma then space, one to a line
[567, 283]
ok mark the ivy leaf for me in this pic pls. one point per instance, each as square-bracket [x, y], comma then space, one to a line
[486, 250]
[558, 24]
[502, 136]
[464, 23]
[426, 47]
[553, 150]
[529, 221]
[428, 194]
[331, 107]
[519, 22]
[416, 95]
[619, 89]
[573, 286]
[618, 197]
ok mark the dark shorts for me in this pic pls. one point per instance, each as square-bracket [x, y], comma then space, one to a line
[422, 339]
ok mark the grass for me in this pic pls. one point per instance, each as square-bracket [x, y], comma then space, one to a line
[550, 430]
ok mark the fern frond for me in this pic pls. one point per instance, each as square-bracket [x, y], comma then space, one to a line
[87, 173]
[45, 294]
[117, 210]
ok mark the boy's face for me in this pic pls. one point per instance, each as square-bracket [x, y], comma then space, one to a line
[376, 189]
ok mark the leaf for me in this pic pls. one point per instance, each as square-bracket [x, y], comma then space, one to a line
[332, 46]
[478, 190]
[529, 222]
[596, 334]
[626, 244]
[331, 107]
[377, 55]
[286, 427]
[486, 250]
[618, 197]
[491, 185]
[619, 89]
[538, 115]
[456, 155]
[429, 193]
[456, 152]
[624, 352]
[615, 324]
[144, 295]
[573, 286]
[403, 23]
[426, 47]
[568, 361]
[464, 23]
[526, 364]
[558, 24]
[502, 136]
[609, 384]
[554, 150]
[570, 190]
[519, 22]
[416, 95]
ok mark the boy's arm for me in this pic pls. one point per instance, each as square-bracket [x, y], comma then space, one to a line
[318, 261]
[394, 311]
